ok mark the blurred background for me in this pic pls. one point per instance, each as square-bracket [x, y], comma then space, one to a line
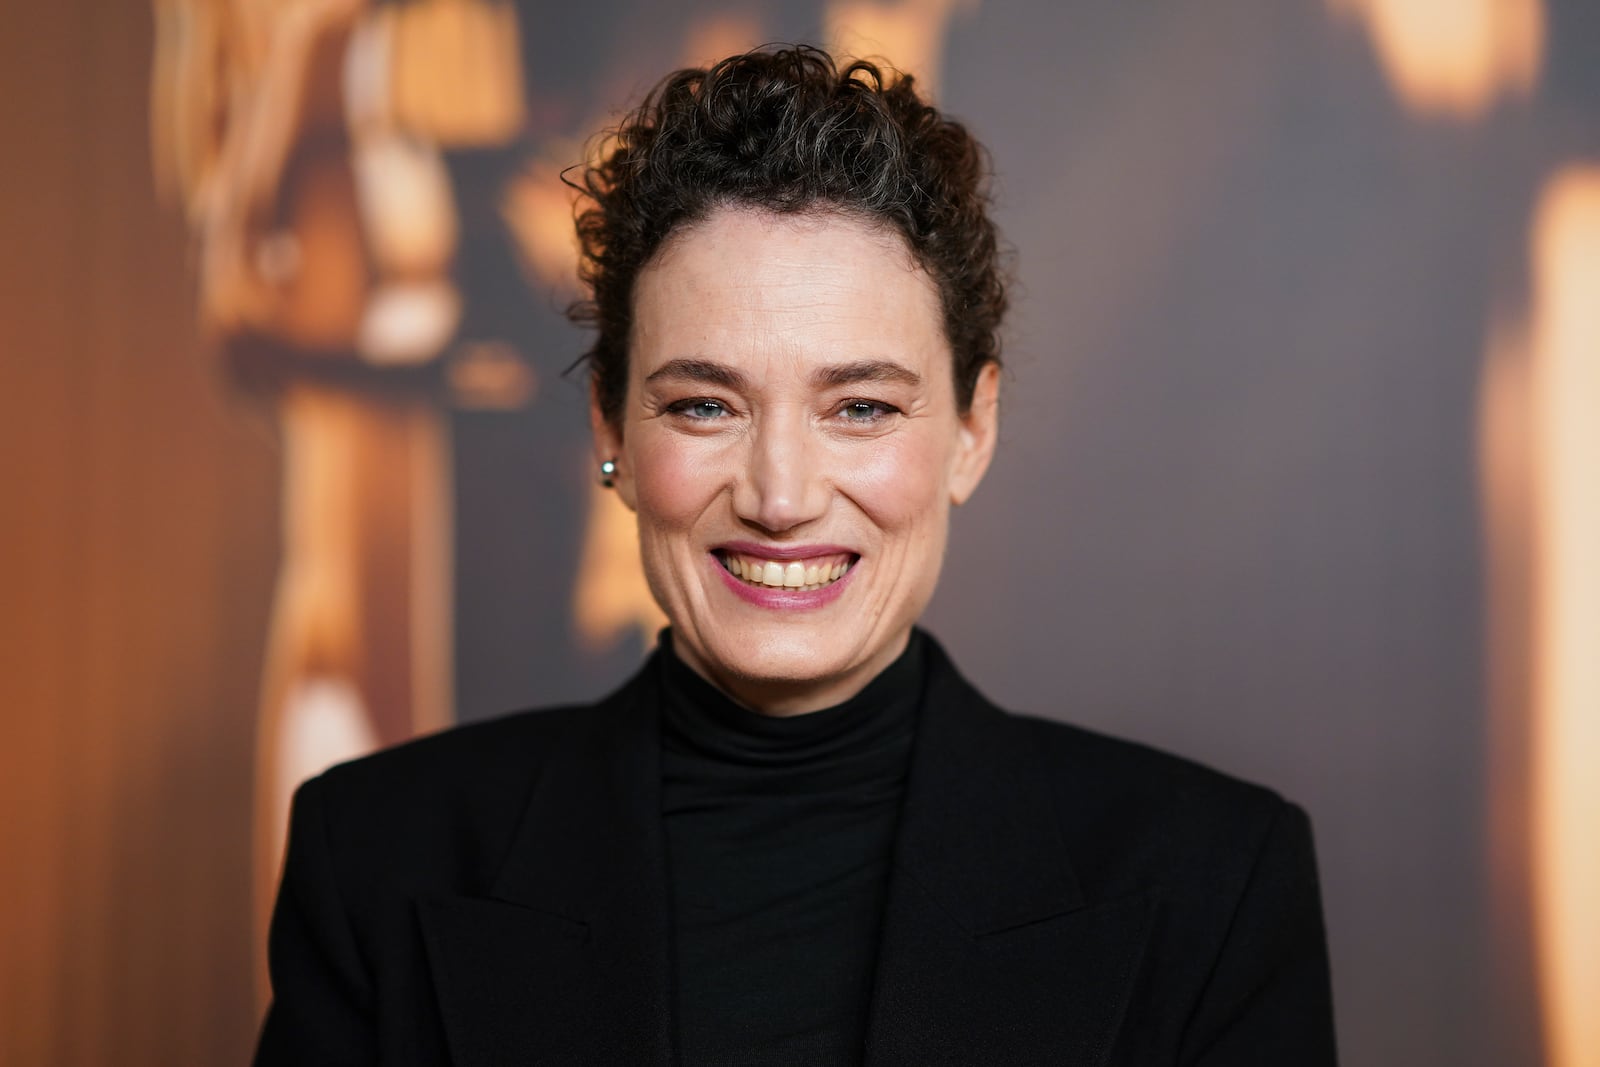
[1300, 472]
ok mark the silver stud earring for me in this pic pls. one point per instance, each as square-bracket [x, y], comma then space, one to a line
[608, 473]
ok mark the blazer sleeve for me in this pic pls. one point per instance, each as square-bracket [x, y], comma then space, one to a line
[322, 997]
[1269, 998]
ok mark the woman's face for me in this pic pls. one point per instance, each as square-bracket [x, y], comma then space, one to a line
[792, 445]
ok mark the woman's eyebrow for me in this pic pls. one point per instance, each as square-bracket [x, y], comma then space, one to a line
[864, 370]
[832, 376]
[697, 370]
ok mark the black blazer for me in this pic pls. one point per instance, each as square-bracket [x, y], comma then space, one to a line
[496, 894]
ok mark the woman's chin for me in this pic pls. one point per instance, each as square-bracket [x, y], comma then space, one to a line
[785, 668]
[776, 655]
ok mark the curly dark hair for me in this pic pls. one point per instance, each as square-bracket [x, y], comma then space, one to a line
[787, 130]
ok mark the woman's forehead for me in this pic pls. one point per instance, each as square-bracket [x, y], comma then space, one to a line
[783, 296]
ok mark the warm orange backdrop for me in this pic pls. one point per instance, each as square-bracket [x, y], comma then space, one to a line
[136, 554]
[1274, 490]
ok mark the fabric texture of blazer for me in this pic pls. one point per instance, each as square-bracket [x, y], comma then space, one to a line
[496, 894]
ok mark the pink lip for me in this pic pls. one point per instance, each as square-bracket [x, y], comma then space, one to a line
[766, 596]
[783, 553]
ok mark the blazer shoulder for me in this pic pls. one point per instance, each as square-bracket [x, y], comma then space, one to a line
[1133, 768]
[1118, 797]
[1132, 810]
[435, 814]
[479, 751]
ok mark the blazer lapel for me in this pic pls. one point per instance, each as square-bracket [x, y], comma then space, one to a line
[990, 950]
[567, 955]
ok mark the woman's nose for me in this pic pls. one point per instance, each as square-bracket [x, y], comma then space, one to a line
[782, 486]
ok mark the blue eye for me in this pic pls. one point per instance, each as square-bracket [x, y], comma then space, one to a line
[700, 408]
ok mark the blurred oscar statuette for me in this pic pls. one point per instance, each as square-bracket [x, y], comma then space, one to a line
[306, 143]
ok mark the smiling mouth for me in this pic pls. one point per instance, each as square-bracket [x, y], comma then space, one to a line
[802, 574]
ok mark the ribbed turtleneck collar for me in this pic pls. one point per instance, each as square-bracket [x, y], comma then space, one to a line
[701, 720]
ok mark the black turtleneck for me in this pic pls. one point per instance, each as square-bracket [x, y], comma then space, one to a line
[778, 833]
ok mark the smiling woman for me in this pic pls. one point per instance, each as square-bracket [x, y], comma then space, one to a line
[797, 835]
[758, 452]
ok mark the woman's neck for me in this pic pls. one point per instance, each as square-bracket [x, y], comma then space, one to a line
[783, 697]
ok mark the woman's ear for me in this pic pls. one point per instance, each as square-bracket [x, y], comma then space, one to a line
[607, 438]
[980, 428]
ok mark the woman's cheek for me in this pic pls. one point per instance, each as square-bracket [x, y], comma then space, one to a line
[674, 480]
[899, 480]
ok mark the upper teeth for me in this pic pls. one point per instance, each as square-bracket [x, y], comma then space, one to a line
[796, 574]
